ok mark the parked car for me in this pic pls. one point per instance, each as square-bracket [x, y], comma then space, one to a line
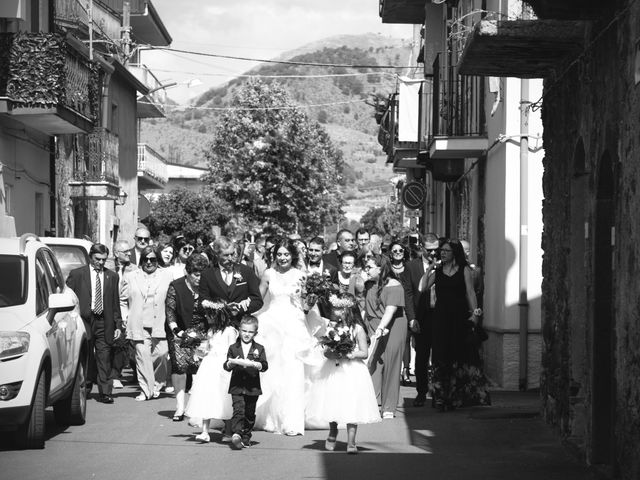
[43, 342]
[70, 252]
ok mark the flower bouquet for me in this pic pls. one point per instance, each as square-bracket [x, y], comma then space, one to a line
[191, 349]
[316, 286]
[338, 341]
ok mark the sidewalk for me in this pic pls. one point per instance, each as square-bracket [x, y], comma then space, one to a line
[506, 440]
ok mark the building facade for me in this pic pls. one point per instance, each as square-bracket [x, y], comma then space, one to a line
[479, 154]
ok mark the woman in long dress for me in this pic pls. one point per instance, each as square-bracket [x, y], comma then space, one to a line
[283, 332]
[457, 377]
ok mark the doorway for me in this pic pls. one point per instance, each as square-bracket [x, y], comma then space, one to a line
[603, 367]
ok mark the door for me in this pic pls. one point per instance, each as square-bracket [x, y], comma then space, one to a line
[45, 321]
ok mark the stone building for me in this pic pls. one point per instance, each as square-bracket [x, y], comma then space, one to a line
[589, 56]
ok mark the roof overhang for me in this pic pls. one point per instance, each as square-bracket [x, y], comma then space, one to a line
[402, 11]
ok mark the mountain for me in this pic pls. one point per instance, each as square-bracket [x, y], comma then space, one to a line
[183, 135]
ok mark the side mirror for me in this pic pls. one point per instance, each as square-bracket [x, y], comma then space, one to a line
[62, 302]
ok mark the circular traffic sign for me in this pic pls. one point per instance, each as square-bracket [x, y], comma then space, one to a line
[414, 195]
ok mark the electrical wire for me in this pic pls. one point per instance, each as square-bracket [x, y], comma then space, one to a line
[284, 107]
[258, 75]
[282, 62]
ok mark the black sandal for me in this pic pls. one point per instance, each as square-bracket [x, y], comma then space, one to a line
[178, 418]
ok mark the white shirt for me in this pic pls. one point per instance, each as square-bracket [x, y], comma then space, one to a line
[316, 269]
[246, 348]
[94, 274]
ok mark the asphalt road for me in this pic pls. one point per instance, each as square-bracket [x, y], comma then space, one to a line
[138, 440]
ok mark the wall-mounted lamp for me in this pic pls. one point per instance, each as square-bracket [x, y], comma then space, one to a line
[122, 197]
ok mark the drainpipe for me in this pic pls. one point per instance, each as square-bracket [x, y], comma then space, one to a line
[523, 302]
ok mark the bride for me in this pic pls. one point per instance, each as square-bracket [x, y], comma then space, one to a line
[283, 332]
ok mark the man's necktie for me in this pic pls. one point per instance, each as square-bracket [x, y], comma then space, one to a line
[316, 264]
[97, 304]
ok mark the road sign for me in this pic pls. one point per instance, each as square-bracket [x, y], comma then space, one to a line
[412, 213]
[414, 195]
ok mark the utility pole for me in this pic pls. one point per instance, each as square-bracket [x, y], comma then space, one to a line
[126, 30]
[90, 13]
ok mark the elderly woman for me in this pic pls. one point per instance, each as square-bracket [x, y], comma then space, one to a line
[181, 296]
[142, 302]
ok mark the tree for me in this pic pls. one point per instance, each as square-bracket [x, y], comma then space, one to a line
[187, 212]
[383, 220]
[273, 164]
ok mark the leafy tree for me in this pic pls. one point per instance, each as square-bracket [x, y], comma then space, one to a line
[383, 220]
[274, 165]
[187, 212]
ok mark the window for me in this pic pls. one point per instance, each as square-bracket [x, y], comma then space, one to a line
[42, 287]
[13, 281]
[54, 273]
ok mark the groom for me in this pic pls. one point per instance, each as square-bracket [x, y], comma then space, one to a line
[226, 280]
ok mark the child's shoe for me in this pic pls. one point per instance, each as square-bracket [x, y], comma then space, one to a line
[203, 437]
[236, 442]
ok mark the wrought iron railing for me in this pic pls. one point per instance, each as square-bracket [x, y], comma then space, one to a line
[42, 70]
[458, 102]
[96, 157]
[74, 13]
[151, 163]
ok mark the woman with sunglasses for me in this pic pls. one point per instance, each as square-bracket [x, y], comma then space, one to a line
[455, 313]
[399, 256]
[384, 305]
[142, 301]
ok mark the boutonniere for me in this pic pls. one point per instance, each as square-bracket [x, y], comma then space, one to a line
[326, 272]
[238, 276]
[256, 353]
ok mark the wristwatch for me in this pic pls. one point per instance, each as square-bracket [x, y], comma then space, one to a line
[477, 312]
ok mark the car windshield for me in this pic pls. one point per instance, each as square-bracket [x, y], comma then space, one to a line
[70, 257]
[13, 281]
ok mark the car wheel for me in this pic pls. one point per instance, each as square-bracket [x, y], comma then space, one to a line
[72, 410]
[31, 434]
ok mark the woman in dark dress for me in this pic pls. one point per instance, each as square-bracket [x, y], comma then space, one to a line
[181, 296]
[457, 377]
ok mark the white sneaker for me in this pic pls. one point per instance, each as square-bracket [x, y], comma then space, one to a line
[117, 383]
[169, 390]
[388, 415]
[203, 437]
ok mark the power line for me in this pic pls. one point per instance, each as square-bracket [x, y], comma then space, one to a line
[284, 107]
[283, 62]
[248, 75]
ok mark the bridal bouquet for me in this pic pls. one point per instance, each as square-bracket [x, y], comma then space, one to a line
[337, 340]
[316, 286]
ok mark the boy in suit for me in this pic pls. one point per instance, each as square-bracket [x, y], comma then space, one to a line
[245, 360]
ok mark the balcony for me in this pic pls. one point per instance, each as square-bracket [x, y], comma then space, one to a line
[152, 169]
[95, 169]
[402, 11]
[520, 48]
[458, 126]
[73, 14]
[152, 104]
[145, 22]
[46, 84]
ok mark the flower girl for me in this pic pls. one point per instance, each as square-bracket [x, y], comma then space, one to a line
[343, 392]
[209, 394]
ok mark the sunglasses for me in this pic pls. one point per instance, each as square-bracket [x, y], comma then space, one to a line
[397, 251]
[188, 248]
[142, 239]
[150, 260]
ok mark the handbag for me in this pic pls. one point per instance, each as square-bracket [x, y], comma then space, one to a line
[187, 350]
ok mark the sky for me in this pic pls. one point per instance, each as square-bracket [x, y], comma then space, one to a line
[250, 28]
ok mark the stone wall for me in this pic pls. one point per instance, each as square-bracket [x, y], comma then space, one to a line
[593, 107]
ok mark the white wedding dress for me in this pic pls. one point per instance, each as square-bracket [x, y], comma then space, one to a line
[283, 332]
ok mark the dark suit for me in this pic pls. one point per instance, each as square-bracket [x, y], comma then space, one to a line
[418, 307]
[100, 328]
[134, 256]
[245, 388]
[332, 259]
[245, 284]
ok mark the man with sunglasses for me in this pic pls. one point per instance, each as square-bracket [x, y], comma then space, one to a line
[142, 238]
[419, 309]
[97, 291]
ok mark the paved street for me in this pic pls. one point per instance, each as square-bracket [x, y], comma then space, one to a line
[138, 440]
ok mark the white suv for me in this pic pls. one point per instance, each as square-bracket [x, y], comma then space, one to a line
[43, 342]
